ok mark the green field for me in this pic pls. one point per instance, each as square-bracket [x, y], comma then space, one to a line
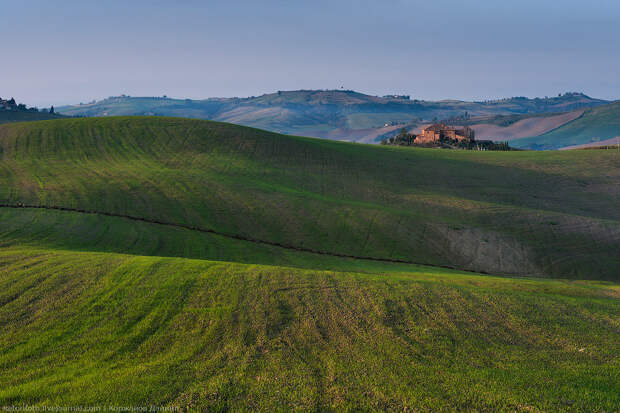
[111, 329]
[521, 213]
[100, 310]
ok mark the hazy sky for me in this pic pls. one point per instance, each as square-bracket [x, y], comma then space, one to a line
[65, 51]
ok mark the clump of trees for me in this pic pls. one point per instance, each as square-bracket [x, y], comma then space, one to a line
[475, 145]
[12, 105]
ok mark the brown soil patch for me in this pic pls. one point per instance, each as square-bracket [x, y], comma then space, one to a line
[524, 128]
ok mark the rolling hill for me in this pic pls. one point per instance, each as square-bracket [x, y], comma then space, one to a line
[154, 261]
[522, 213]
[595, 125]
[332, 114]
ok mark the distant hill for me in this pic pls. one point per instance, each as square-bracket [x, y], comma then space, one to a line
[332, 114]
[26, 116]
[509, 127]
[597, 124]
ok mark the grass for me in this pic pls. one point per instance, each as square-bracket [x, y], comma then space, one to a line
[112, 329]
[100, 310]
[62, 230]
[478, 211]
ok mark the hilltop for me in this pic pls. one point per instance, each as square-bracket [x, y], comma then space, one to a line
[154, 261]
[333, 114]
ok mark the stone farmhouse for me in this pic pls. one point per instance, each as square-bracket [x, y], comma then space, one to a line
[439, 131]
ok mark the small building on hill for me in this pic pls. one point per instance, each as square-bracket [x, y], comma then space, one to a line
[438, 132]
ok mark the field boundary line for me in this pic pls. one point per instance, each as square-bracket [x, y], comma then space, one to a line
[237, 237]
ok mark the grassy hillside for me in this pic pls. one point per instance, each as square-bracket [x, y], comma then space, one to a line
[527, 213]
[595, 125]
[92, 329]
[130, 311]
[338, 114]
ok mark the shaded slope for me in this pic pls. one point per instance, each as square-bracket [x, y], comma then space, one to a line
[520, 213]
[71, 231]
[88, 329]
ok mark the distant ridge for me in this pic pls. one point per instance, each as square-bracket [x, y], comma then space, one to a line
[333, 114]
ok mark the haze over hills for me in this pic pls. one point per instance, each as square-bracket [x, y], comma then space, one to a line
[332, 114]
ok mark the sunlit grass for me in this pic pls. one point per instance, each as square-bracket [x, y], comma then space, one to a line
[93, 328]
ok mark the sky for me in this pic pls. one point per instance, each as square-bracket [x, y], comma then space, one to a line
[66, 51]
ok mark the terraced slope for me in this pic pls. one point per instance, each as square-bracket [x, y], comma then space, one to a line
[104, 329]
[546, 214]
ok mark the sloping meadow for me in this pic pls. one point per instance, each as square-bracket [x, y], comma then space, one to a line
[104, 329]
[522, 213]
[133, 272]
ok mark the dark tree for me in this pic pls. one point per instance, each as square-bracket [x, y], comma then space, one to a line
[52, 109]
